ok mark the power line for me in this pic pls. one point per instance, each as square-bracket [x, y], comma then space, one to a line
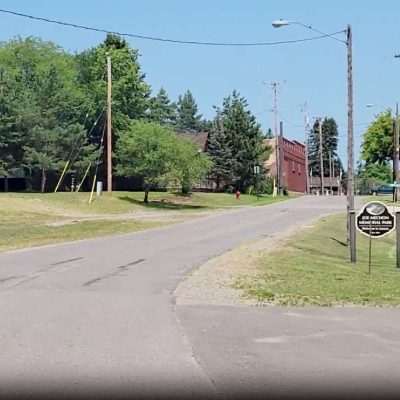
[166, 40]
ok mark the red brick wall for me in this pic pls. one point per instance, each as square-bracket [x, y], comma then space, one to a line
[293, 165]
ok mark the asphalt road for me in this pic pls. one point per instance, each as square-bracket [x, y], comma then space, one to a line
[98, 317]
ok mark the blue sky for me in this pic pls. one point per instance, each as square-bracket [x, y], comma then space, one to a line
[314, 71]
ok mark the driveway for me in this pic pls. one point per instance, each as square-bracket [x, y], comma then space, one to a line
[98, 317]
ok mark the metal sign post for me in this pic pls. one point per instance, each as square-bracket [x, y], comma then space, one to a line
[398, 239]
[370, 248]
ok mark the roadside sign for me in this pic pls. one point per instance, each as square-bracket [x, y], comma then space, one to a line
[375, 220]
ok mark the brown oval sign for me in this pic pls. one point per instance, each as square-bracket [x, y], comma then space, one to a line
[375, 220]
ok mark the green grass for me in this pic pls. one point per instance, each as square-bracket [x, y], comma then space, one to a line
[31, 230]
[27, 219]
[122, 202]
[312, 268]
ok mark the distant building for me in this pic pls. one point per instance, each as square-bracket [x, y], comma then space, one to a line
[15, 181]
[292, 163]
[199, 139]
[332, 185]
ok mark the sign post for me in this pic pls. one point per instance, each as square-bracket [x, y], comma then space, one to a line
[398, 239]
[376, 221]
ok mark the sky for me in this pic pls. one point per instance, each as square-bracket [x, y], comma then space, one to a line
[312, 72]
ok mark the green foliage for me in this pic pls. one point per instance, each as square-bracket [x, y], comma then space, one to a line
[49, 100]
[130, 93]
[236, 144]
[376, 153]
[377, 146]
[187, 109]
[146, 150]
[40, 104]
[269, 134]
[372, 175]
[162, 111]
[157, 155]
[191, 165]
[220, 151]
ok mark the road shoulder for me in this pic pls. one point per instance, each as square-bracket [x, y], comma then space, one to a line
[213, 283]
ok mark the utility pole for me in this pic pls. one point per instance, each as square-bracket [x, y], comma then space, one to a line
[306, 132]
[321, 157]
[396, 151]
[330, 172]
[109, 132]
[351, 228]
[277, 150]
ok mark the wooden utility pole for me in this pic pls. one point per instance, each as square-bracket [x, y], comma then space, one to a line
[277, 152]
[396, 174]
[330, 172]
[321, 157]
[351, 228]
[306, 131]
[109, 132]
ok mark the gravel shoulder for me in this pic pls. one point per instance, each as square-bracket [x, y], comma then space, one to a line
[213, 282]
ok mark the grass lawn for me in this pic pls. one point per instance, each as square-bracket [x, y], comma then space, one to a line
[29, 219]
[122, 202]
[312, 268]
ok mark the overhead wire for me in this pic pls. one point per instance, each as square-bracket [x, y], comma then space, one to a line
[168, 40]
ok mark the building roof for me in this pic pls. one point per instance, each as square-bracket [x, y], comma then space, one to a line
[200, 139]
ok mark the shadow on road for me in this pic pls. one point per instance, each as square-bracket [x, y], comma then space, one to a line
[162, 204]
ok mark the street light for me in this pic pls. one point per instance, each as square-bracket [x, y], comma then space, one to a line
[351, 232]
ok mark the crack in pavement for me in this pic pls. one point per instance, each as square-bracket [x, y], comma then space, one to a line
[118, 270]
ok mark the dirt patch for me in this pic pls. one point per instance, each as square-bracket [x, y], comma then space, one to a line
[213, 283]
[169, 216]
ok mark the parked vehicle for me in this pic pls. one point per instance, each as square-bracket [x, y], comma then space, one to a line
[383, 189]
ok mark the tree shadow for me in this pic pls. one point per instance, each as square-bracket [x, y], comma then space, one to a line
[162, 204]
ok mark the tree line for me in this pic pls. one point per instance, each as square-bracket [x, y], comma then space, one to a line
[52, 110]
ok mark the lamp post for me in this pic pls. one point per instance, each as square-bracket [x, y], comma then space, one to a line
[351, 232]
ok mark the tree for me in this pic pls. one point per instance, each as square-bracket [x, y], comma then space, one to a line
[130, 92]
[377, 153]
[41, 153]
[245, 139]
[329, 146]
[40, 100]
[377, 146]
[190, 164]
[146, 150]
[220, 151]
[162, 111]
[269, 134]
[372, 175]
[187, 112]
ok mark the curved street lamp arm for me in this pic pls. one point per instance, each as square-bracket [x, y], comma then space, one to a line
[318, 31]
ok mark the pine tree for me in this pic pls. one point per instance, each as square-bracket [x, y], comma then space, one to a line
[329, 146]
[161, 109]
[269, 134]
[237, 143]
[220, 152]
[187, 109]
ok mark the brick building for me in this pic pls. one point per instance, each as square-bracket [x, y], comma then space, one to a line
[292, 164]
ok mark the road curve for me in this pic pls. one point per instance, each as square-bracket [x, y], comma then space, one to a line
[98, 317]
